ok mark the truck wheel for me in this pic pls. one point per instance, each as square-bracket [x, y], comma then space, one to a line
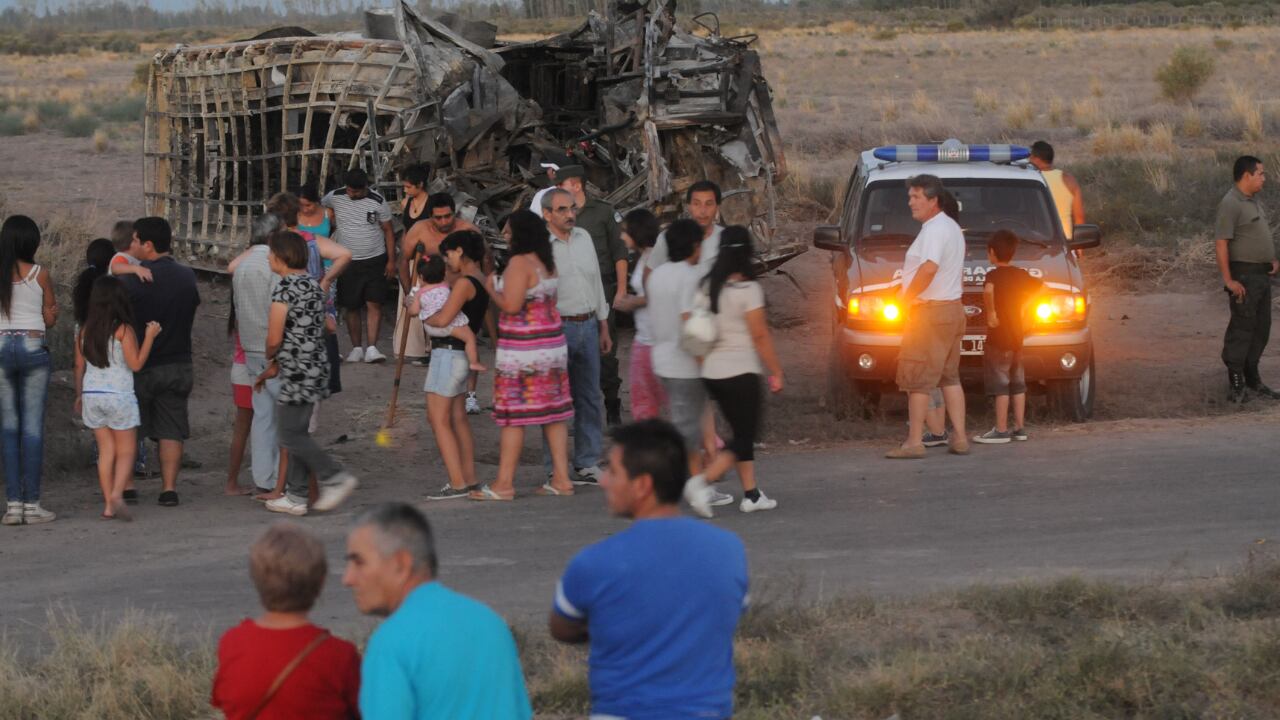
[847, 398]
[840, 394]
[1073, 399]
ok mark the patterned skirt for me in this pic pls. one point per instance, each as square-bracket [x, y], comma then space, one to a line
[531, 375]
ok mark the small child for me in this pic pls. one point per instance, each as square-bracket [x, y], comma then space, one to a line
[430, 297]
[288, 568]
[1008, 293]
[124, 262]
[107, 356]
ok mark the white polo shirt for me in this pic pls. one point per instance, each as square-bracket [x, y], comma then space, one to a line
[942, 241]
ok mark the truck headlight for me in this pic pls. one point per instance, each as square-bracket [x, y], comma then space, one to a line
[869, 308]
[1060, 308]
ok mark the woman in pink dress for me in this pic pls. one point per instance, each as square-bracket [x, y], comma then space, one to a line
[531, 373]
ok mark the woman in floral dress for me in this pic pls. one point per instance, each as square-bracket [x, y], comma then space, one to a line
[531, 378]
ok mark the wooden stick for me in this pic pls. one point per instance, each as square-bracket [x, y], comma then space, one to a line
[404, 343]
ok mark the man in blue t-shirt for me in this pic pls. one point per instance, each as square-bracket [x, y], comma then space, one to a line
[439, 654]
[660, 617]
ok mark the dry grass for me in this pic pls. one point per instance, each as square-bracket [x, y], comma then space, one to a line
[1246, 112]
[1119, 140]
[985, 101]
[1066, 648]
[1019, 115]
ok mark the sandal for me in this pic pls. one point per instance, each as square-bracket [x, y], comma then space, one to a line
[486, 493]
[548, 490]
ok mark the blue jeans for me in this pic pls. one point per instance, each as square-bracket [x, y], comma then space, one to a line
[264, 448]
[24, 384]
[583, 339]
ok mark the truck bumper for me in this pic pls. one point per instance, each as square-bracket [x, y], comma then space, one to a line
[872, 357]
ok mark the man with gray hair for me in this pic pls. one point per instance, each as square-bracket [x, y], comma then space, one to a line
[932, 286]
[584, 315]
[252, 283]
[439, 654]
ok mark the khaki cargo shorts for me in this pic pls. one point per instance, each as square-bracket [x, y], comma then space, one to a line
[930, 355]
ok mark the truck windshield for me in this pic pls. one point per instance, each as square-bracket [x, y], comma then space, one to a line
[985, 206]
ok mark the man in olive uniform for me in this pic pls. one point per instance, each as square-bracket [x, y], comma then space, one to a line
[1247, 260]
[600, 220]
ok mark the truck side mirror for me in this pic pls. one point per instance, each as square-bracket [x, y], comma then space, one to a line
[1085, 236]
[829, 237]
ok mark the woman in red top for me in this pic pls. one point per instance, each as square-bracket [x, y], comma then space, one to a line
[288, 568]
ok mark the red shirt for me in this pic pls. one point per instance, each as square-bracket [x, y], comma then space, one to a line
[250, 657]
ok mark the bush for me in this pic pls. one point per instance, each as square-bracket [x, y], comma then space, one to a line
[11, 123]
[125, 109]
[50, 110]
[1185, 73]
[80, 125]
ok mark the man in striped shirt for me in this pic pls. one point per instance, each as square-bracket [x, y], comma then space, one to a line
[362, 222]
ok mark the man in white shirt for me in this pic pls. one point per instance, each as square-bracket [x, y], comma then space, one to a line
[702, 203]
[932, 285]
[584, 313]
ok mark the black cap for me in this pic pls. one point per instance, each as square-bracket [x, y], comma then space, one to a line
[570, 171]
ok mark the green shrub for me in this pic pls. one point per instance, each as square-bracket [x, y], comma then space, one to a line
[885, 34]
[1185, 73]
[79, 125]
[11, 123]
[126, 109]
[842, 53]
[51, 110]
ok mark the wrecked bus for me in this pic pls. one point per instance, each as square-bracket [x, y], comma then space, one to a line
[647, 107]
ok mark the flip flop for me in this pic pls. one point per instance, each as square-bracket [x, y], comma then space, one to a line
[548, 490]
[486, 494]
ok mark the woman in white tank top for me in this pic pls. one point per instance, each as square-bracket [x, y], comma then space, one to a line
[27, 309]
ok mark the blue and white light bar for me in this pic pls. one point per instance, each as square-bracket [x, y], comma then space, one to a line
[952, 151]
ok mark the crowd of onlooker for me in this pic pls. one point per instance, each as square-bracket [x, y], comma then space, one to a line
[549, 307]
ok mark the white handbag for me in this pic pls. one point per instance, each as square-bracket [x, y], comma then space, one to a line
[699, 332]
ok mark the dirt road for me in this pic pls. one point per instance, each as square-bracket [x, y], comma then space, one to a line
[1130, 500]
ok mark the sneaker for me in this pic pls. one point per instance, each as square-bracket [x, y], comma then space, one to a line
[421, 361]
[33, 514]
[719, 499]
[13, 513]
[931, 440]
[473, 404]
[448, 493]
[335, 493]
[993, 437]
[371, 355]
[587, 476]
[287, 505]
[356, 355]
[1020, 434]
[764, 503]
[698, 494]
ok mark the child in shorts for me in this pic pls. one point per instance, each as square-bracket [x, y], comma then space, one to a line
[124, 262]
[428, 300]
[1008, 293]
[107, 356]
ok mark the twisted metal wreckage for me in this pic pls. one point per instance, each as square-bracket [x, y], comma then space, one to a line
[647, 107]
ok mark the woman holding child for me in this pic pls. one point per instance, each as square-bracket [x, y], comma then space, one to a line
[451, 326]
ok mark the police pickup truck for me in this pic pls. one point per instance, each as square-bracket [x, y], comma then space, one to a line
[996, 189]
